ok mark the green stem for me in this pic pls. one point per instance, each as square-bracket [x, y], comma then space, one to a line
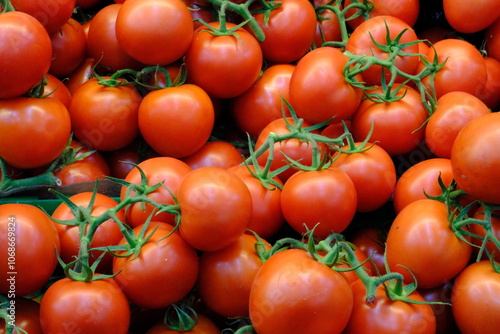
[7, 6]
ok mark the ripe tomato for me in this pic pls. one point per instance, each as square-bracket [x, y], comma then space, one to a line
[95, 157]
[27, 315]
[292, 293]
[96, 307]
[387, 316]
[80, 172]
[34, 131]
[481, 232]
[420, 238]
[167, 24]
[163, 273]
[445, 322]
[81, 74]
[406, 10]
[371, 241]
[176, 121]
[203, 326]
[326, 198]
[216, 208]
[56, 89]
[492, 40]
[215, 154]
[475, 159]
[224, 66]
[26, 53]
[103, 117]
[318, 90]
[469, 19]
[327, 27]
[454, 111]
[68, 48]
[29, 242]
[52, 14]
[491, 93]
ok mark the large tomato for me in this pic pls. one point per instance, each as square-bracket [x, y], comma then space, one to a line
[470, 19]
[26, 53]
[68, 48]
[52, 14]
[292, 293]
[29, 243]
[34, 131]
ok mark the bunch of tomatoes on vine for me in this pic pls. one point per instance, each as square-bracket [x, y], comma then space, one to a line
[289, 166]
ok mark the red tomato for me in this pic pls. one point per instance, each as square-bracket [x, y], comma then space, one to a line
[29, 243]
[373, 173]
[475, 300]
[445, 322]
[492, 40]
[327, 27]
[224, 66]
[371, 241]
[481, 232]
[176, 121]
[263, 102]
[201, 11]
[475, 159]
[318, 90]
[168, 170]
[34, 131]
[56, 89]
[292, 293]
[420, 238]
[95, 307]
[469, 19]
[351, 275]
[491, 93]
[80, 172]
[454, 110]
[284, 42]
[26, 313]
[107, 234]
[421, 179]
[215, 154]
[387, 316]
[216, 208]
[81, 74]
[167, 24]
[406, 10]
[68, 48]
[325, 199]
[103, 117]
[52, 14]
[26, 53]
[203, 326]
[163, 273]
[95, 157]
[364, 40]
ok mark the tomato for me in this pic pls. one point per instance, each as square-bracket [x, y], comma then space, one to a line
[475, 300]
[466, 19]
[384, 315]
[364, 40]
[324, 198]
[318, 90]
[454, 110]
[163, 273]
[481, 232]
[168, 170]
[166, 114]
[284, 42]
[167, 24]
[81, 74]
[263, 102]
[77, 172]
[373, 173]
[90, 307]
[95, 157]
[351, 275]
[224, 66]
[68, 48]
[215, 154]
[420, 238]
[421, 179]
[26, 53]
[29, 242]
[216, 208]
[56, 89]
[475, 161]
[292, 293]
[327, 27]
[434, 34]
[492, 41]
[102, 41]
[464, 69]
[397, 126]
[27, 315]
[445, 322]
[371, 241]
[119, 161]
[105, 118]
[226, 276]
[52, 14]
[107, 234]
[202, 10]
[267, 216]
[491, 93]
[406, 10]
[34, 131]
[203, 326]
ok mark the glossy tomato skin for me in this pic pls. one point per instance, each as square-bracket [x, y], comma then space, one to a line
[34, 131]
[492, 40]
[28, 230]
[203, 326]
[466, 19]
[420, 238]
[386, 316]
[475, 299]
[105, 118]
[292, 293]
[475, 159]
[77, 172]
[27, 315]
[26, 53]
[68, 48]
[318, 90]
[163, 273]
[406, 10]
[52, 14]
[90, 307]
[327, 27]
[224, 66]
[216, 208]
[165, 114]
[81, 74]
[371, 241]
[491, 93]
[168, 25]
[56, 89]
[215, 153]
[324, 199]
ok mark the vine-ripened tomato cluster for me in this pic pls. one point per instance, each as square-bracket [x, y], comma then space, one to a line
[289, 166]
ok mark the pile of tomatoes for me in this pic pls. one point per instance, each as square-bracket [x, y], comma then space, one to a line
[287, 166]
